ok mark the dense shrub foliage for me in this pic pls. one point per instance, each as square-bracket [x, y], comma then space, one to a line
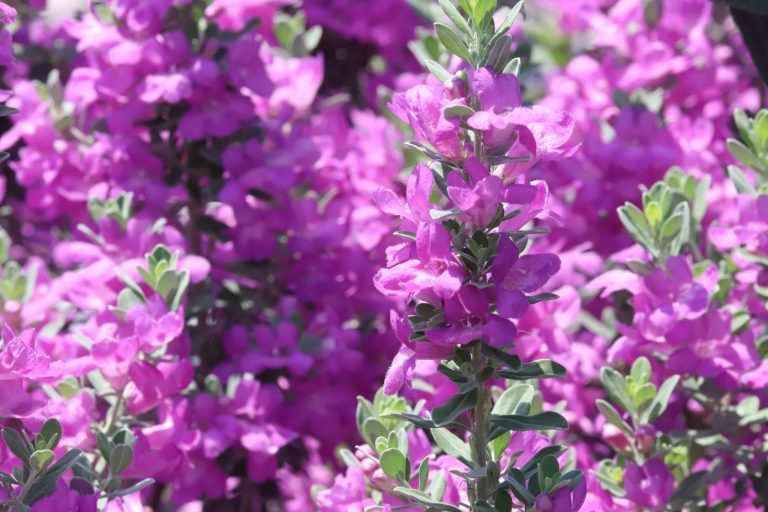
[336, 255]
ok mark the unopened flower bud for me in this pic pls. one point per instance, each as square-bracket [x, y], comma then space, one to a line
[645, 437]
[455, 89]
[616, 438]
[543, 503]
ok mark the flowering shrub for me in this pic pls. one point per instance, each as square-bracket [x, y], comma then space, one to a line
[277, 255]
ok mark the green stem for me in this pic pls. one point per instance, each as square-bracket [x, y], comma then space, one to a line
[480, 426]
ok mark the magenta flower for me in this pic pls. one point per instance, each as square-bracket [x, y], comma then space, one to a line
[22, 362]
[649, 486]
[154, 325]
[496, 92]
[480, 199]
[434, 271]
[21, 359]
[468, 317]
[422, 107]
[515, 275]
[706, 346]
[7, 16]
[401, 371]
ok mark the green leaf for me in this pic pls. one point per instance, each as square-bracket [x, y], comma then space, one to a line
[441, 214]
[535, 299]
[167, 283]
[641, 370]
[439, 71]
[700, 198]
[454, 375]
[644, 394]
[455, 16]
[499, 54]
[503, 502]
[51, 431]
[452, 42]
[17, 445]
[761, 131]
[452, 409]
[517, 481]
[743, 154]
[529, 469]
[40, 459]
[509, 20]
[482, 9]
[305, 43]
[132, 489]
[62, 465]
[659, 403]
[636, 224]
[517, 423]
[393, 463]
[373, 428]
[512, 398]
[499, 444]
[743, 186]
[44, 486]
[7, 479]
[653, 213]
[120, 458]
[501, 357]
[130, 283]
[425, 499]
[616, 387]
[541, 369]
[688, 489]
[458, 111]
[423, 473]
[547, 468]
[7, 111]
[348, 458]
[412, 418]
[180, 290]
[104, 447]
[512, 67]
[613, 416]
[671, 227]
[127, 299]
[451, 444]
[437, 485]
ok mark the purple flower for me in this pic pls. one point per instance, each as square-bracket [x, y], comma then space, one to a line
[468, 318]
[496, 92]
[515, 275]
[435, 269]
[7, 16]
[706, 346]
[401, 371]
[650, 485]
[422, 107]
[480, 199]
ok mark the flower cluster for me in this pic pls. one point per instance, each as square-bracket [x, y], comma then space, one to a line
[193, 238]
[215, 247]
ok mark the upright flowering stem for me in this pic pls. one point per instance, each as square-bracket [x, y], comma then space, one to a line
[480, 425]
[465, 268]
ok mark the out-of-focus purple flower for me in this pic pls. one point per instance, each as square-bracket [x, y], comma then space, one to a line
[7, 16]
[649, 486]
